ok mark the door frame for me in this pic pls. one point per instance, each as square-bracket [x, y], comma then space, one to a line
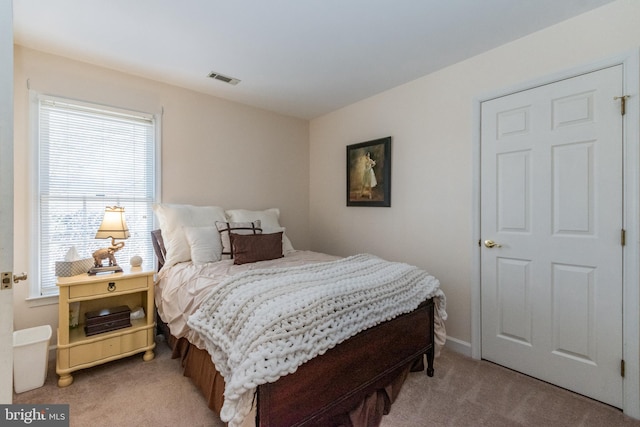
[630, 62]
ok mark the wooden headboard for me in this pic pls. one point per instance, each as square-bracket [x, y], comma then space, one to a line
[158, 247]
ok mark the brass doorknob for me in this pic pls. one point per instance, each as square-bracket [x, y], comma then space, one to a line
[492, 244]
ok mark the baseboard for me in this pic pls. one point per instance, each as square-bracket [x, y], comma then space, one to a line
[458, 346]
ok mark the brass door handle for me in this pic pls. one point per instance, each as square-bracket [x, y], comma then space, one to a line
[492, 244]
[19, 277]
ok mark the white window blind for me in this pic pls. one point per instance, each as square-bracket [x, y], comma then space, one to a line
[91, 157]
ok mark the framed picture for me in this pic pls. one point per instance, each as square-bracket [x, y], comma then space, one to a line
[369, 173]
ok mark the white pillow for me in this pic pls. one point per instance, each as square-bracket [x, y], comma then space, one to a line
[269, 218]
[172, 218]
[205, 244]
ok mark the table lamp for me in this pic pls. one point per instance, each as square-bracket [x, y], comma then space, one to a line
[115, 227]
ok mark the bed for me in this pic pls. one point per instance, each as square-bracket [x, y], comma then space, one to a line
[352, 381]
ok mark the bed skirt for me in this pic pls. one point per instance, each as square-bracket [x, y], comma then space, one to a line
[198, 366]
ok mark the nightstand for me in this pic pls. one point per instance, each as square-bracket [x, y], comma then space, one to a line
[76, 350]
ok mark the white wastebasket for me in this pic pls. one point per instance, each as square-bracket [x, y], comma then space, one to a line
[30, 357]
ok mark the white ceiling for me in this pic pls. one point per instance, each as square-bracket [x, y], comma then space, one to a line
[302, 58]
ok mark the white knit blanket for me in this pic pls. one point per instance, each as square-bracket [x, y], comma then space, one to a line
[263, 324]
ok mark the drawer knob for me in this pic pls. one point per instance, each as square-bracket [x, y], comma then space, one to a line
[111, 287]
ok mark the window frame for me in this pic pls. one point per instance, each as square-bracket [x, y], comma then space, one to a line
[36, 295]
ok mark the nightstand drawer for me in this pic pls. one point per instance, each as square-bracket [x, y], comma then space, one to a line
[107, 287]
[95, 351]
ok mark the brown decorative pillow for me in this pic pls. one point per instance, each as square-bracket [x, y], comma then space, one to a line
[225, 228]
[256, 247]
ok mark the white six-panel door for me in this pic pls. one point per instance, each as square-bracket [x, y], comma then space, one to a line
[551, 200]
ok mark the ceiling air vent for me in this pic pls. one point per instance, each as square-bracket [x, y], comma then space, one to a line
[223, 78]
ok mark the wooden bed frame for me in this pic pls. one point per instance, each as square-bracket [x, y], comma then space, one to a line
[326, 389]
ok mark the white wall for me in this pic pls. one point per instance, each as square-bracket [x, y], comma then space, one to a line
[214, 152]
[432, 124]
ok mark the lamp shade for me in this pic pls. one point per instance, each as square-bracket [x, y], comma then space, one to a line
[113, 224]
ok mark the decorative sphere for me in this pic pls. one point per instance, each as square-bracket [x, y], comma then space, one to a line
[136, 261]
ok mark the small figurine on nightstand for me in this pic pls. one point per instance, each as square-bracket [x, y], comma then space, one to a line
[105, 253]
[135, 261]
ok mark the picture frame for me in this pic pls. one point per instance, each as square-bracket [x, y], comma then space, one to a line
[369, 173]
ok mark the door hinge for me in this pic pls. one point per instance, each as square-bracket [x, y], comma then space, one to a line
[623, 237]
[622, 368]
[623, 103]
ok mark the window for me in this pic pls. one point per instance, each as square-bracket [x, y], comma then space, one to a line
[90, 157]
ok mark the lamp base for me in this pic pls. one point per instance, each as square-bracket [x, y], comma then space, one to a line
[112, 269]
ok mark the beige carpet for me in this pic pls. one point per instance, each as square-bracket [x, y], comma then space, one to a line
[463, 392]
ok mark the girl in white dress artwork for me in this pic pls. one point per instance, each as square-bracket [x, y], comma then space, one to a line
[369, 178]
